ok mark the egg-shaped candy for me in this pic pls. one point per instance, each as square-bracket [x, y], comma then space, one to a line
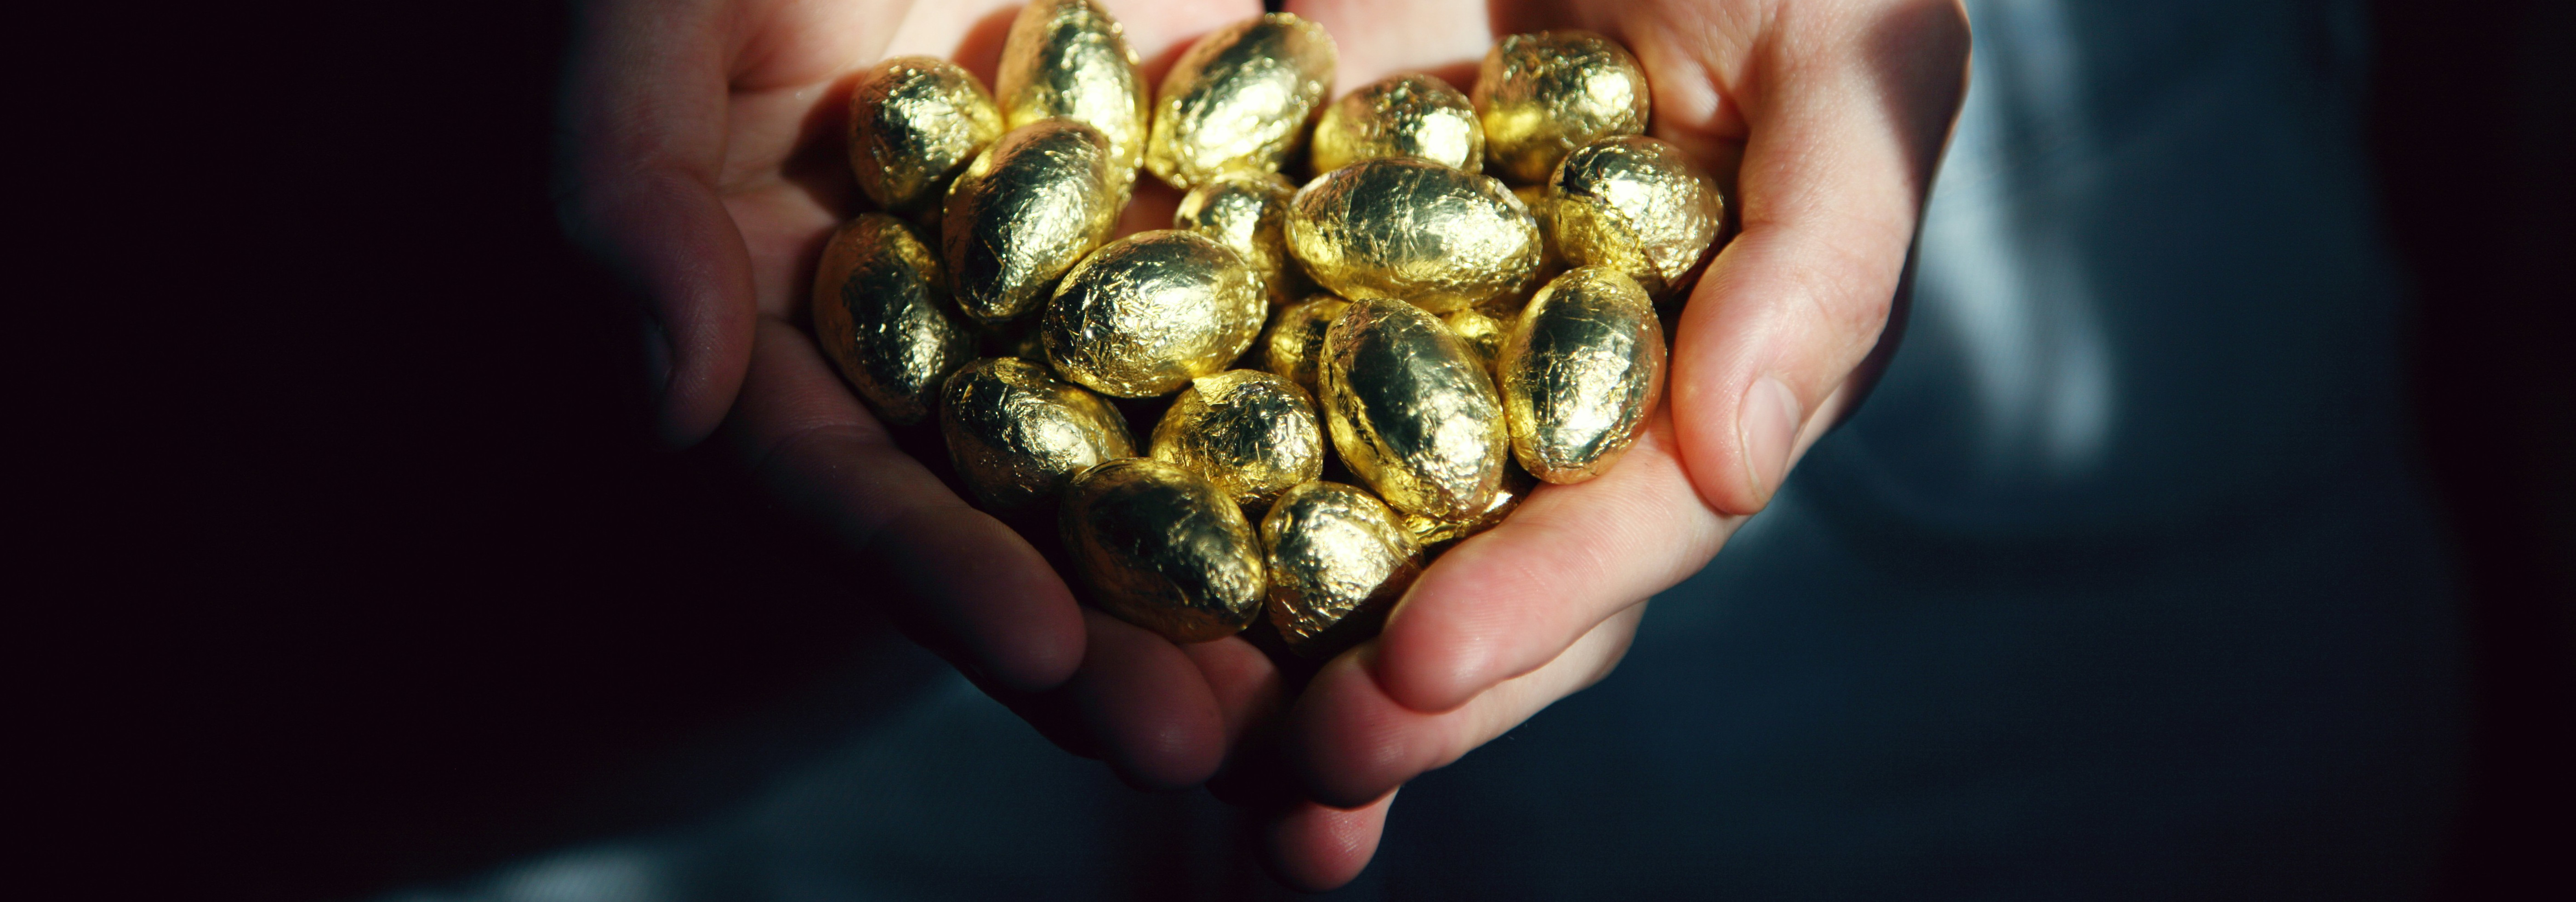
[1147, 313]
[1016, 434]
[1412, 411]
[881, 313]
[1163, 548]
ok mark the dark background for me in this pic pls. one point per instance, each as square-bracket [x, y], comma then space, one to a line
[361, 568]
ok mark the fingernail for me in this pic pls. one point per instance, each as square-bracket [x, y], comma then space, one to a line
[1767, 421]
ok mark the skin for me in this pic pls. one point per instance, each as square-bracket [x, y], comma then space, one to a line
[699, 158]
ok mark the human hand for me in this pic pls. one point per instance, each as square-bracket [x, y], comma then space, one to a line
[700, 158]
[1828, 119]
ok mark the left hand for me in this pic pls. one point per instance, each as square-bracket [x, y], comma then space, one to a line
[700, 159]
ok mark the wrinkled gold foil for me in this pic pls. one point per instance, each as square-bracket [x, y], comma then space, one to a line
[1405, 115]
[881, 313]
[914, 122]
[1240, 97]
[1483, 334]
[1027, 209]
[1162, 548]
[1247, 210]
[1296, 342]
[1338, 560]
[1147, 313]
[1635, 204]
[1252, 433]
[1583, 368]
[1543, 95]
[1411, 410]
[1436, 534]
[1016, 434]
[1550, 262]
[1070, 58]
[1413, 230]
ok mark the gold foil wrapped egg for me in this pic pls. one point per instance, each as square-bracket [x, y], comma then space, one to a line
[1240, 97]
[1252, 433]
[1405, 115]
[1413, 230]
[1296, 342]
[1550, 261]
[1247, 210]
[1412, 411]
[1070, 59]
[1147, 313]
[1583, 368]
[1437, 534]
[1338, 560]
[914, 122]
[1635, 204]
[1025, 211]
[1483, 334]
[1016, 434]
[1542, 95]
[1162, 548]
[881, 313]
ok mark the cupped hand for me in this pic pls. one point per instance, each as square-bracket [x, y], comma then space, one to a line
[1827, 117]
[700, 159]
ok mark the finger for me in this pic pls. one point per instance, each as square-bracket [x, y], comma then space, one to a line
[1312, 848]
[1377, 38]
[1251, 694]
[1349, 743]
[963, 582]
[1845, 122]
[1144, 701]
[1511, 599]
[638, 152]
[1244, 683]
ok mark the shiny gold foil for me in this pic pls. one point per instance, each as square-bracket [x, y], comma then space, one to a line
[1551, 262]
[1069, 58]
[1483, 334]
[1437, 534]
[1406, 115]
[1583, 368]
[1247, 210]
[1252, 433]
[1025, 211]
[1543, 95]
[1162, 548]
[914, 122]
[1240, 97]
[1147, 313]
[1411, 410]
[1296, 342]
[1635, 204]
[1016, 434]
[1413, 230]
[1338, 560]
[881, 313]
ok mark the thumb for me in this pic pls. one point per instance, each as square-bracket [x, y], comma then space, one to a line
[1843, 136]
[639, 143]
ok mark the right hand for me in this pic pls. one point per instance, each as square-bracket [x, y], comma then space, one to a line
[700, 159]
[1829, 117]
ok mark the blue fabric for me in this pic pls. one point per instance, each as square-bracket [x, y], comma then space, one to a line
[2120, 585]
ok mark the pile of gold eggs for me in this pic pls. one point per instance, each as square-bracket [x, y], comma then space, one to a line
[1415, 320]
